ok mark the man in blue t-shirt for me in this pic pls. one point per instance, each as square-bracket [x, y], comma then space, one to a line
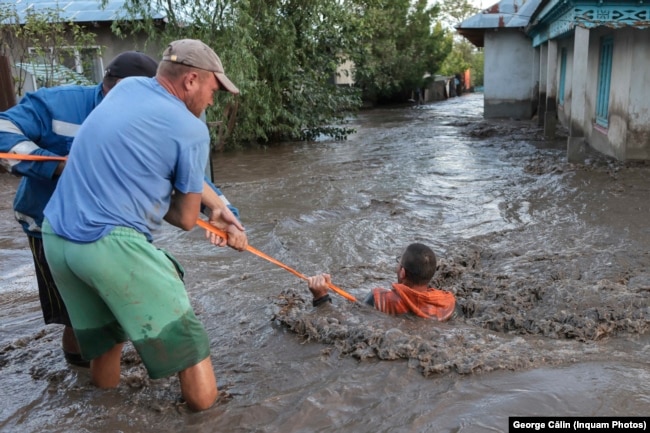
[139, 159]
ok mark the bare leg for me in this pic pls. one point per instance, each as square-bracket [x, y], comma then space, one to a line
[198, 385]
[105, 369]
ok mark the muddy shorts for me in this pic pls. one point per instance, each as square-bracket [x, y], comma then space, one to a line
[122, 288]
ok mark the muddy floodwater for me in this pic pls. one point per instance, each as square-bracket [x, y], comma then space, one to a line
[549, 261]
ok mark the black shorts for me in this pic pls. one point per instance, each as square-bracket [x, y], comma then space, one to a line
[54, 310]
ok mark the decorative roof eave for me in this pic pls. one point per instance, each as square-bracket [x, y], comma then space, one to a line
[475, 36]
[560, 17]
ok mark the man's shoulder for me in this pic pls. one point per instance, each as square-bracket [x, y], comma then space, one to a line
[71, 89]
[441, 292]
[140, 91]
[65, 96]
[378, 292]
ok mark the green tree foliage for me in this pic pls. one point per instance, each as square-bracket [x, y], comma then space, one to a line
[457, 11]
[476, 67]
[297, 52]
[399, 43]
[43, 41]
[464, 56]
[281, 54]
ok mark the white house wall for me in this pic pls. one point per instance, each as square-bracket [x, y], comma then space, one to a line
[627, 136]
[112, 45]
[513, 90]
[612, 140]
[638, 108]
[507, 75]
[597, 141]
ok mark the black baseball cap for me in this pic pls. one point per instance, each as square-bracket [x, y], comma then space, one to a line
[131, 64]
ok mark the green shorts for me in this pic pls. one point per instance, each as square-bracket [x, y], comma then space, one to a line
[121, 288]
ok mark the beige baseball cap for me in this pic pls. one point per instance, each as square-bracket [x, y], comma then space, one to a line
[192, 52]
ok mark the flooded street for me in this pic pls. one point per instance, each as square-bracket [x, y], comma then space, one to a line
[549, 261]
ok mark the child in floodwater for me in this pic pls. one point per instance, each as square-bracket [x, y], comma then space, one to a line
[411, 293]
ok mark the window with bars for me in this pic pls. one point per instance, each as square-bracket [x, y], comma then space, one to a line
[84, 64]
[604, 80]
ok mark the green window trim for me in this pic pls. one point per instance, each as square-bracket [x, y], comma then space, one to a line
[604, 80]
[560, 96]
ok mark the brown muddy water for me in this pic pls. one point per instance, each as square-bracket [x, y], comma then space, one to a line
[549, 262]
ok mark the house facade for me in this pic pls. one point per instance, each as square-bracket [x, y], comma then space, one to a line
[78, 65]
[580, 63]
[509, 57]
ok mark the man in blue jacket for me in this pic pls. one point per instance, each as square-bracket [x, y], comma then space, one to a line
[45, 123]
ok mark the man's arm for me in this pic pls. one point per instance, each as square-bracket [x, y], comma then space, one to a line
[318, 286]
[216, 189]
[183, 210]
[21, 128]
[222, 217]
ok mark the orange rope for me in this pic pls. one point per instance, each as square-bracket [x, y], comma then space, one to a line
[258, 253]
[199, 222]
[31, 157]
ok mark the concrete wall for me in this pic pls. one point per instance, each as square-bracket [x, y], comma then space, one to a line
[627, 135]
[507, 74]
[112, 45]
[535, 71]
[611, 140]
[637, 48]
[619, 96]
[589, 102]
